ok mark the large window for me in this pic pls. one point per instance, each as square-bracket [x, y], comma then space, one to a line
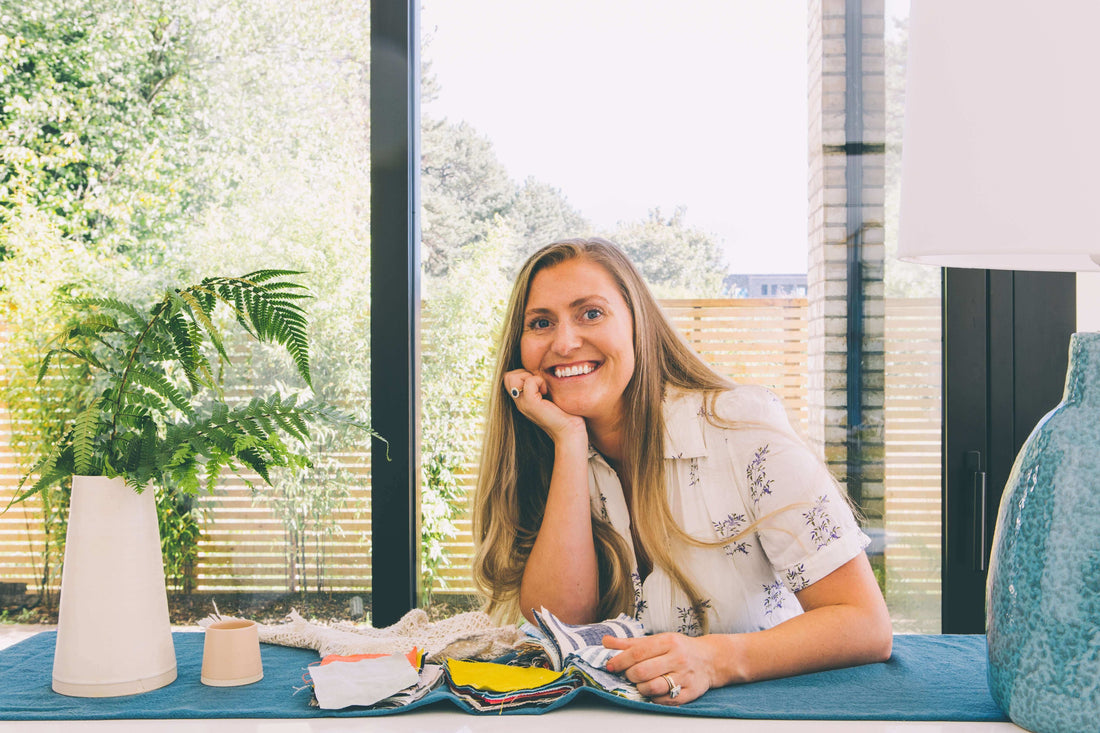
[751, 171]
[684, 137]
[209, 139]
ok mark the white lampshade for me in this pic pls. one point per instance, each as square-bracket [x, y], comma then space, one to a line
[1001, 149]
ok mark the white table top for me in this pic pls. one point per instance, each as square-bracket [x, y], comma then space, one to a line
[575, 718]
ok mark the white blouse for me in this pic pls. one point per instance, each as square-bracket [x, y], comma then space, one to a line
[722, 478]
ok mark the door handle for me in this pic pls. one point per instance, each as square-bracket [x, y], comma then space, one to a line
[979, 554]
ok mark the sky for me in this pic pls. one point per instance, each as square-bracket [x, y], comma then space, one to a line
[626, 106]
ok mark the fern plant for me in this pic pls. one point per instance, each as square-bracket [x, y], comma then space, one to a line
[158, 412]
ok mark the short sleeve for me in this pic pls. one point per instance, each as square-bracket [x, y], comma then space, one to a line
[804, 523]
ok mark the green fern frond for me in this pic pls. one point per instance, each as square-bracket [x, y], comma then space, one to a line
[144, 468]
[50, 469]
[291, 427]
[181, 454]
[263, 309]
[135, 457]
[85, 356]
[131, 417]
[98, 323]
[84, 433]
[45, 365]
[145, 399]
[145, 356]
[186, 342]
[214, 288]
[157, 347]
[260, 276]
[255, 460]
[213, 469]
[160, 385]
[112, 304]
[260, 411]
[200, 312]
[253, 427]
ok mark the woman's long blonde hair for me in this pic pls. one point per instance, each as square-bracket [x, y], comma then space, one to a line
[517, 456]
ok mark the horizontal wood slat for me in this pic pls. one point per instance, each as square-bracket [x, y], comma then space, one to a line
[761, 341]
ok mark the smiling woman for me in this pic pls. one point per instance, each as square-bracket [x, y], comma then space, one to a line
[624, 475]
[577, 344]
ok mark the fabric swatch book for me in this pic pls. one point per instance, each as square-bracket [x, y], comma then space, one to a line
[557, 658]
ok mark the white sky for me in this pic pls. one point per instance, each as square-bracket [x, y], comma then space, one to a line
[626, 105]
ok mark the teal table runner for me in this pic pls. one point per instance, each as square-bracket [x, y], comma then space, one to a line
[926, 678]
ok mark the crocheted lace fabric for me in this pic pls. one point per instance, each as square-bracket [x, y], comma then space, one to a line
[469, 635]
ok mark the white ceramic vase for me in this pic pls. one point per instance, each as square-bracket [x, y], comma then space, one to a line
[113, 632]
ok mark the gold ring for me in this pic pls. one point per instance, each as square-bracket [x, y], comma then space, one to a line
[673, 688]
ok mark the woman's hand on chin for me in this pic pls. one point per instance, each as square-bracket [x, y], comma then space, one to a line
[530, 393]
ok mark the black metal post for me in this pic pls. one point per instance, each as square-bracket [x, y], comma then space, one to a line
[395, 307]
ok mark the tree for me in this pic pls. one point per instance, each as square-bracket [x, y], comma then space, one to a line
[285, 163]
[464, 187]
[95, 120]
[541, 214]
[152, 146]
[460, 337]
[94, 129]
[675, 259]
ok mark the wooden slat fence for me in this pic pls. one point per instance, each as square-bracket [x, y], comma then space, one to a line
[913, 519]
[761, 341]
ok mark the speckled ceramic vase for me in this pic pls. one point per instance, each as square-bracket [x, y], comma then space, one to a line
[1043, 604]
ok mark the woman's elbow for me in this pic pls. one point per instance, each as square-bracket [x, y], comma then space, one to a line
[880, 639]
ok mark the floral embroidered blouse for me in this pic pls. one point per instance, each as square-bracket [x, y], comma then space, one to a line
[725, 471]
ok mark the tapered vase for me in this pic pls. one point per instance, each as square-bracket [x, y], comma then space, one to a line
[1043, 594]
[114, 636]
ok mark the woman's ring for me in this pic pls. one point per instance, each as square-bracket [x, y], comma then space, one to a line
[673, 688]
[514, 392]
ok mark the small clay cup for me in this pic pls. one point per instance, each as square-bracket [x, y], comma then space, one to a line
[231, 654]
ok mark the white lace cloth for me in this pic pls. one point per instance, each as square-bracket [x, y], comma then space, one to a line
[469, 635]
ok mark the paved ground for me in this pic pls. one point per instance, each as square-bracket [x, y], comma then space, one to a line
[11, 633]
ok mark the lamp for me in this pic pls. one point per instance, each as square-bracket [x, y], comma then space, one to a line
[1001, 170]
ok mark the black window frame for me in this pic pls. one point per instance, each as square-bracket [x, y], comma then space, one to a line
[1001, 330]
[395, 307]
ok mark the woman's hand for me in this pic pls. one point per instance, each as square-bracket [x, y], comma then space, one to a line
[845, 623]
[661, 663]
[561, 571]
[530, 394]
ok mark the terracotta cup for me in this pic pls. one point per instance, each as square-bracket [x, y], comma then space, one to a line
[231, 654]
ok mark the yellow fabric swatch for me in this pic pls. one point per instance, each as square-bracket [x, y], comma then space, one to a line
[498, 677]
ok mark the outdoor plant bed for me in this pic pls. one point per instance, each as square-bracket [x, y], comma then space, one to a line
[268, 608]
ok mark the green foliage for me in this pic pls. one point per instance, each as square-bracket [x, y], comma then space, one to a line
[288, 142]
[676, 260]
[308, 502]
[456, 371]
[180, 521]
[465, 187]
[158, 413]
[38, 256]
[95, 110]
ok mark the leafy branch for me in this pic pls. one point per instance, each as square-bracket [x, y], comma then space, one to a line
[155, 367]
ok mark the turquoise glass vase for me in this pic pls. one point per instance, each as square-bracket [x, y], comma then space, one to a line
[1043, 595]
